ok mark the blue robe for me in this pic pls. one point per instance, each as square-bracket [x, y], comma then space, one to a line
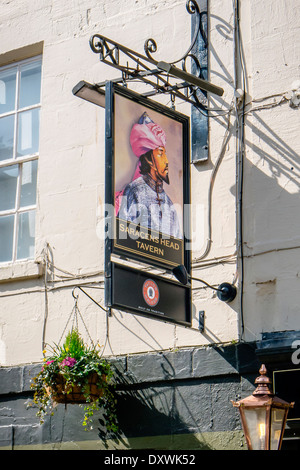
[145, 202]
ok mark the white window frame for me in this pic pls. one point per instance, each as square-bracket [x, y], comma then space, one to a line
[18, 160]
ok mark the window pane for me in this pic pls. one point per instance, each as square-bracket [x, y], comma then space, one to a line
[28, 132]
[6, 237]
[7, 90]
[6, 137]
[26, 232]
[8, 186]
[28, 184]
[30, 85]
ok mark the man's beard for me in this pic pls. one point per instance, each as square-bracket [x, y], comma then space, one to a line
[164, 178]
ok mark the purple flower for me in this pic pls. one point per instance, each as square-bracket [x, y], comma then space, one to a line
[47, 364]
[69, 361]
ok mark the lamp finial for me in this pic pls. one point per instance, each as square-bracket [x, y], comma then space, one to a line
[263, 383]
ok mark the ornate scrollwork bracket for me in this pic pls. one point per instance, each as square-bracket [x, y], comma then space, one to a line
[150, 46]
[136, 66]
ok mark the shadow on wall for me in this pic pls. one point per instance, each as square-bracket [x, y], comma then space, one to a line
[156, 412]
[148, 419]
[269, 194]
[271, 222]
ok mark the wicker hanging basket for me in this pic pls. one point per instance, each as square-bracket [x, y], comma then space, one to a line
[64, 393]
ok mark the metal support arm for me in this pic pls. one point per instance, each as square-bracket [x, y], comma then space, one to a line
[157, 75]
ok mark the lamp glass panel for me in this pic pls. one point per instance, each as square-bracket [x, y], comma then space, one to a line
[277, 418]
[256, 424]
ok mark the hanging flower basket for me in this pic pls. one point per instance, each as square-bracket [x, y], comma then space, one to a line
[76, 373]
[64, 392]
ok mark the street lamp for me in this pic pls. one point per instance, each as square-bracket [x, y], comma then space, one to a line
[90, 92]
[190, 78]
[263, 415]
[225, 292]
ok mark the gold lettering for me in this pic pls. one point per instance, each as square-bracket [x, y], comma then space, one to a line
[169, 244]
[154, 239]
[152, 249]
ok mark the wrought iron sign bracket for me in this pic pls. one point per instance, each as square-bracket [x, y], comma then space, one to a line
[159, 75]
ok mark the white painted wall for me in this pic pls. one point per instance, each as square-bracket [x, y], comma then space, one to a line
[71, 174]
[272, 171]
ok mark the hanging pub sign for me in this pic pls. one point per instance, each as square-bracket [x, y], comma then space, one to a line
[146, 183]
[149, 185]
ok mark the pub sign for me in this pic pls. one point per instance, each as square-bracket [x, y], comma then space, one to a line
[147, 195]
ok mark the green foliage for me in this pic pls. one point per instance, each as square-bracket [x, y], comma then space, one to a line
[73, 363]
[73, 346]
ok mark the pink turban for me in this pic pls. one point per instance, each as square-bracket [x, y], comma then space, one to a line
[146, 135]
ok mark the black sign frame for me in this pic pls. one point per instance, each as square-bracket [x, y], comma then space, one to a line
[112, 245]
[168, 300]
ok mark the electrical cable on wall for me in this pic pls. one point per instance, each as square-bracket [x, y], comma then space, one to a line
[240, 147]
[226, 139]
[46, 303]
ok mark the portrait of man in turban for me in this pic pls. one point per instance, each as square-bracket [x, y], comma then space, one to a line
[144, 200]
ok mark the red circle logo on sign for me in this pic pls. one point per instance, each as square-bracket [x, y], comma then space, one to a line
[150, 292]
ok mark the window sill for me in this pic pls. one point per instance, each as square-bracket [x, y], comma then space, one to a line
[27, 269]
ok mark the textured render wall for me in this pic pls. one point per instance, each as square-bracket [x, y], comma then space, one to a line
[71, 174]
[71, 177]
[272, 173]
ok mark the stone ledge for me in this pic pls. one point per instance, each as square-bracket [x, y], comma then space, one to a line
[17, 379]
[183, 364]
[277, 344]
[162, 366]
[20, 270]
[191, 363]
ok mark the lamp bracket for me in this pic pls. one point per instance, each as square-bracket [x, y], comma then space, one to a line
[136, 66]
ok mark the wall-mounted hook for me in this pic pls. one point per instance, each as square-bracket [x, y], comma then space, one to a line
[73, 294]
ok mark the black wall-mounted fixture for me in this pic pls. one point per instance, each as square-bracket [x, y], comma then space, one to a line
[189, 78]
[89, 92]
[225, 292]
